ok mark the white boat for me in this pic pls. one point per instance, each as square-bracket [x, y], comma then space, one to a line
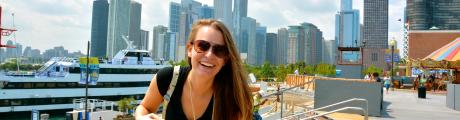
[55, 85]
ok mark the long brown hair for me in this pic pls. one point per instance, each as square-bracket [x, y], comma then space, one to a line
[232, 99]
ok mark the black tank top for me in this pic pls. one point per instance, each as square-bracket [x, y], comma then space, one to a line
[174, 110]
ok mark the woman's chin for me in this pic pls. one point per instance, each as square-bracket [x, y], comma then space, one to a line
[206, 71]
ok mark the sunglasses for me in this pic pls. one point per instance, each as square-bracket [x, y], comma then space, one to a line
[201, 46]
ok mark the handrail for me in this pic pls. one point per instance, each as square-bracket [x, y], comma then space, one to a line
[281, 91]
[337, 110]
[331, 105]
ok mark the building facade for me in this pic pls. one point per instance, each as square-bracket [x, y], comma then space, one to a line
[159, 34]
[305, 44]
[248, 35]
[174, 16]
[433, 14]
[282, 46]
[118, 26]
[134, 34]
[375, 32]
[347, 32]
[99, 28]
[424, 42]
[271, 48]
[223, 12]
[144, 40]
[260, 46]
[207, 12]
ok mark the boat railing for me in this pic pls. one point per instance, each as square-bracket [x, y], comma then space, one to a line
[93, 104]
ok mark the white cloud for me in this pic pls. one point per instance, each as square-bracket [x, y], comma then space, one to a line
[44, 24]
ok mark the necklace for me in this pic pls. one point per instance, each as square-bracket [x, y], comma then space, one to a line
[191, 98]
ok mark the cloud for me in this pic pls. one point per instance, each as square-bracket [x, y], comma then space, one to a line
[44, 24]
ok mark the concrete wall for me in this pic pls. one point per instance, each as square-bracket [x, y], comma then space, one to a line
[453, 96]
[332, 91]
[350, 71]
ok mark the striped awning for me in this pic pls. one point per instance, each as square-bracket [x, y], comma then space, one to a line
[449, 52]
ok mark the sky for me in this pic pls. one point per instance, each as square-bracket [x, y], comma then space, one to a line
[44, 24]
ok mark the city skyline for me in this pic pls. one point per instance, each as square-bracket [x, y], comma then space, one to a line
[72, 20]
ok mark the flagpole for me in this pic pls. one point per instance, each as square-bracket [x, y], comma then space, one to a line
[86, 85]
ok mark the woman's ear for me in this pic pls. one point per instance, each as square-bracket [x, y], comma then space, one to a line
[189, 50]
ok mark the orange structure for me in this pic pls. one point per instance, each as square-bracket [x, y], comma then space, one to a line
[298, 80]
[4, 32]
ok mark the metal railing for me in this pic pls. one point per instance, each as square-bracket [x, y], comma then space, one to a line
[365, 111]
[280, 93]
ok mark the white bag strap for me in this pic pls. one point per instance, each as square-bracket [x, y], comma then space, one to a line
[172, 86]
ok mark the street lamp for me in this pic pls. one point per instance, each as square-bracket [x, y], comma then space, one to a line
[392, 45]
[362, 58]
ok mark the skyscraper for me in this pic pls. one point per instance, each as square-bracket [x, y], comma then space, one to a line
[329, 48]
[99, 28]
[282, 46]
[435, 14]
[347, 31]
[376, 23]
[9, 51]
[223, 12]
[375, 32]
[159, 34]
[189, 14]
[247, 34]
[27, 52]
[135, 24]
[207, 12]
[305, 44]
[170, 46]
[271, 48]
[240, 11]
[144, 38]
[18, 50]
[345, 5]
[119, 16]
[261, 47]
[174, 16]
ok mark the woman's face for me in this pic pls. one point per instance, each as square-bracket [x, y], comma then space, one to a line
[207, 52]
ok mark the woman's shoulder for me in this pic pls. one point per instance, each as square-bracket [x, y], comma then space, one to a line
[163, 79]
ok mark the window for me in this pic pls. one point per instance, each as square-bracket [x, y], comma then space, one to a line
[51, 85]
[27, 85]
[4, 103]
[374, 57]
[39, 85]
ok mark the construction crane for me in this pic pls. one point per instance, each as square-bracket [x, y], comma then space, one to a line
[5, 32]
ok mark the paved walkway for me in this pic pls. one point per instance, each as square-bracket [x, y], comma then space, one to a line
[405, 105]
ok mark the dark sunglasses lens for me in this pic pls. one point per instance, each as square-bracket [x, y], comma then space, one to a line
[220, 51]
[202, 45]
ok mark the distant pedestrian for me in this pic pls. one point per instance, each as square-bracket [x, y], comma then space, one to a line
[367, 77]
[387, 82]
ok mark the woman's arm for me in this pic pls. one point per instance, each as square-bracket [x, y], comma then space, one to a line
[150, 103]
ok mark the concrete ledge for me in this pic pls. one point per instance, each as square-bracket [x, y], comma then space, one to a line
[330, 91]
[453, 96]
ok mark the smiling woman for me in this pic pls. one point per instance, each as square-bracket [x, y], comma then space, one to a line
[213, 87]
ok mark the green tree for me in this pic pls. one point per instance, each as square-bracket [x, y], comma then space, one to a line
[126, 104]
[373, 69]
[325, 69]
[266, 70]
[11, 65]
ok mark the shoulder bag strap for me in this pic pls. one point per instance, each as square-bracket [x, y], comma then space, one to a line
[172, 86]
